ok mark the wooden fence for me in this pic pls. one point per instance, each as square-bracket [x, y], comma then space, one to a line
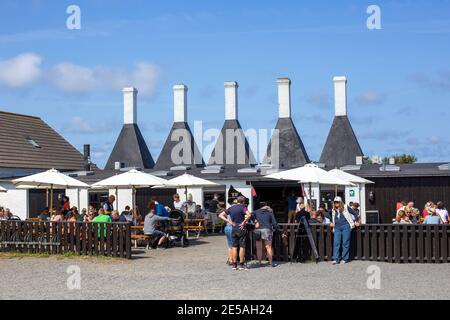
[382, 242]
[81, 238]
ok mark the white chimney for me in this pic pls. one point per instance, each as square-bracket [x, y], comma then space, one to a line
[130, 105]
[284, 97]
[180, 103]
[340, 96]
[231, 100]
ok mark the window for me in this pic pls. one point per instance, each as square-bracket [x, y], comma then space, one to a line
[33, 143]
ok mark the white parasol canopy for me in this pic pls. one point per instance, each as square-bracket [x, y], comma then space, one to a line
[185, 181]
[50, 179]
[131, 179]
[349, 177]
[309, 173]
[3, 189]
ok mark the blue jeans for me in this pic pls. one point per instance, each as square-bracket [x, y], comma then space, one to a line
[342, 235]
[228, 235]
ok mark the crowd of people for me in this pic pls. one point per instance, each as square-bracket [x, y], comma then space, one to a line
[432, 213]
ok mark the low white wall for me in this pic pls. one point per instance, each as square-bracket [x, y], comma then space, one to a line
[15, 199]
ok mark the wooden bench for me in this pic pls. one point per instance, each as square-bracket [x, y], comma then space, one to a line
[142, 237]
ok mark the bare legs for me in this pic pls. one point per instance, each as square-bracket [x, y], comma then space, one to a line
[241, 255]
[268, 245]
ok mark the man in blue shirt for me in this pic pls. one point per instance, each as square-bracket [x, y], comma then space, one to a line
[238, 216]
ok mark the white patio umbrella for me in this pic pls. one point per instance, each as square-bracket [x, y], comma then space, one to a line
[185, 181]
[133, 179]
[3, 189]
[349, 177]
[50, 179]
[309, 174]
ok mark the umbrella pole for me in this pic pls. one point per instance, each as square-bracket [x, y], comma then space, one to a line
[310, 197]
[335, 190]
[133, 197]
[117, 198]
[78, 198]
[51, 199]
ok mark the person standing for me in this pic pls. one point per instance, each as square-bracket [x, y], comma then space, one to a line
[239, 216]
[65, 206]
[228, 229]
[108, 206]
[292, 205]
[342, 224]
[265, 224]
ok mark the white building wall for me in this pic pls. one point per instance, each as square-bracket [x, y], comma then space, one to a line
[16, 200]
[124, 197]
[315, 193]
[240, 186]
[197, 195]
[78, 198]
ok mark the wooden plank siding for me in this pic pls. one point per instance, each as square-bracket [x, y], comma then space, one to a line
[81, 238]
[383, 243]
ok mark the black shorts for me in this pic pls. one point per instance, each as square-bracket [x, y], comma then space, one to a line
[239, 238]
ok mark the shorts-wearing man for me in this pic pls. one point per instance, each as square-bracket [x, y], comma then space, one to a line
[239, 215]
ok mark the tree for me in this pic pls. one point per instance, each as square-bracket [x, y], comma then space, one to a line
[402, 158]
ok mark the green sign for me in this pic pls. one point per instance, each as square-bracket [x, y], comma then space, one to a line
[352, 193]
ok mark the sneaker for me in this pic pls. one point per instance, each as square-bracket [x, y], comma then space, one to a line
[272, 265]
[234, 267]
[345, 262]
[242, 267]
[335, 262]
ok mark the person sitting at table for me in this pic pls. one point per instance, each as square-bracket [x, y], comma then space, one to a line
[199, 212]
[177, 203]
[2, 214]
[44, 215]
[126, 215]
[57, 216]
[150, 222]
[89, 217]
[137, 217]
[115, 217]
[189, 206]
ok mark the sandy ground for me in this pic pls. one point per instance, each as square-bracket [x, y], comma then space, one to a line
[199, 272]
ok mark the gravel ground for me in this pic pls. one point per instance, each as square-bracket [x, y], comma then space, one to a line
[199, 272]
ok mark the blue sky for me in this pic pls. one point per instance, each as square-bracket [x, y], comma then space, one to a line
[398, 77]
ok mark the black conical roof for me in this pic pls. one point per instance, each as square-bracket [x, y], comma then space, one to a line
[235, 154]
[342, 146]
[130, 149]
[182, 132]
[292, 153]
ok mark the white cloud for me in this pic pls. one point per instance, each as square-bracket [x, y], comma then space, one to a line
[69, 77]
[72, 78]
[20, 71]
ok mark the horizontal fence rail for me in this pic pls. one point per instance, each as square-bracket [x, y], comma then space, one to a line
[81, 238]
[381, 242]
